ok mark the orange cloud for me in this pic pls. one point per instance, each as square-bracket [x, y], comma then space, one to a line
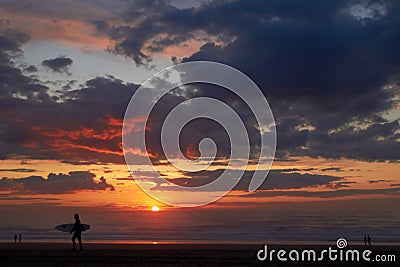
[192, 152]
[64, 145]
[73, 32]
[103, 134]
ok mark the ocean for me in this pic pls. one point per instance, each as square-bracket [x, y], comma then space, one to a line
[277, 223]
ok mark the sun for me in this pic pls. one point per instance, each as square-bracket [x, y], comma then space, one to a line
[155, 208]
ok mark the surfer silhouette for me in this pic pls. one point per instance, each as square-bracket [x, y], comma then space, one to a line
[15, 238]
[77, 229]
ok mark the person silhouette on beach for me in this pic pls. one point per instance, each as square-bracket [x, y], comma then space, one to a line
[369, 240]
[365, 240]
[77, 229]
[20, 238]
[15, 238]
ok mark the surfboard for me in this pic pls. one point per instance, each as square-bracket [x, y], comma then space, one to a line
[68, 227]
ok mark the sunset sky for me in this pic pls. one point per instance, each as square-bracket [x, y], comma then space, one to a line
[330, 71]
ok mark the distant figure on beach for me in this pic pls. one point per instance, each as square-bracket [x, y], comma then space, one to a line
[20, 238]
[15, 238]
[365, 240]
[369, 240]
[77, 232]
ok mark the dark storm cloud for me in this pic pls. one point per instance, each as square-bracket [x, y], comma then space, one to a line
[31, 68]
[218, 17]
[58, 64]
[79, 162]
[286, 170]
[131, 41]
[100, 26]
[327, 194]
[18, 170]
[337, 185]
[312, 75]
[55, 183]
[379, 181]
[7, 44]
[17, 36]
[317, 64]
[276, 180]
[377, 142]
[332, 169]
[16, 90]
[84, 127]
[321, 69]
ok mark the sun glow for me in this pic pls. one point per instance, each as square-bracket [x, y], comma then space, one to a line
[155, 208]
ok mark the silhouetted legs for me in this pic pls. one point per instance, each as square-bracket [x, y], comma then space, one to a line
[77, 236]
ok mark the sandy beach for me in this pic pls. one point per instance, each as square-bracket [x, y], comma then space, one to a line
[96, 254]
